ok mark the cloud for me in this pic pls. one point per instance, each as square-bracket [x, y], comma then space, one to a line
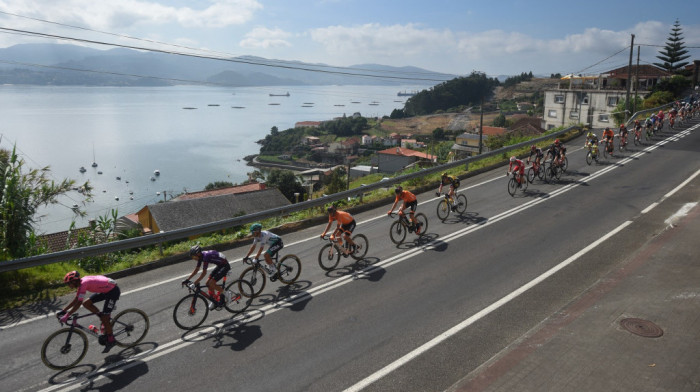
[122, 14]
[261, 37]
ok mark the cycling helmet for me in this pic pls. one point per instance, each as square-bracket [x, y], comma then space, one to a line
[512, 159]
[556, 142]
[255, 227]
[195, 250]
[398, 190]
[533, 147]
[71, 276]
[590, 134]
[444, 174]
[331, 209]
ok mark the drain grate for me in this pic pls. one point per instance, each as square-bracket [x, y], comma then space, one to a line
[644, 328]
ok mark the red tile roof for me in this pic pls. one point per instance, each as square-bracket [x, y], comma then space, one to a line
[494, 131]
[252, 187]
[405, 152]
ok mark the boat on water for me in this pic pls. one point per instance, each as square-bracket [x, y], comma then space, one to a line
[156, 172]
[75, 206]
[99, 172]
[116, 198]
[153, 178]
[119, 178]
[355, 102]
[237, 107]
[189, 108]
[280, 95]
[373, 104]
[273, 104]
[338, 105]
[213, 104]
[94, 163]
[307, 106]
[82, 169]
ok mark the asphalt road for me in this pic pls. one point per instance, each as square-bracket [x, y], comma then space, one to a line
[417, 317]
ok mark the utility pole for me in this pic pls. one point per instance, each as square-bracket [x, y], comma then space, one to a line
[629, 80]
[481, 126]
[636, 83]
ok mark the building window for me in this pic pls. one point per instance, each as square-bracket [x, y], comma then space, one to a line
[603, 118]
[552, 114]
[558, 99]
[573, 114]
[584, 100]
[612, 101]
[550, 126]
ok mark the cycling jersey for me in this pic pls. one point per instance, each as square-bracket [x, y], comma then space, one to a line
[342, 217]
[406, 196]
[537, 153]
[214, 257]
[517, 165]
[266, 238]
[608, 134]
[95, 284]
[450, 180]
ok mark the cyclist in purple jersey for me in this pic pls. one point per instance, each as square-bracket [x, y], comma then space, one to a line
[203, 259]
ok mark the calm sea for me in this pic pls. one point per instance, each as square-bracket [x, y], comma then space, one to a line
[131, 132]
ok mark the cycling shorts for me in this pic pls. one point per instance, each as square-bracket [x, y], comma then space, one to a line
[455, 184]
[274, 248]
[219, 272]
[411, 205]
[109, 297]
[348, 228]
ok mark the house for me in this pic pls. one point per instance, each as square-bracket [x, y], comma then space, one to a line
[361, 171]
[180, 214]
[367, 139]
[527, 125]
[312, 140]
[592, 100]
[394, 159]
[251, 187]
[467, 144]
[407, 143]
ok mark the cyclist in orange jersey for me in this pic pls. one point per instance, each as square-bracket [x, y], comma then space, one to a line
[409, 201]
[346, 224]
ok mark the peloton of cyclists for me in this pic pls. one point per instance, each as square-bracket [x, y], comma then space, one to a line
[346, 225]
[410, 202]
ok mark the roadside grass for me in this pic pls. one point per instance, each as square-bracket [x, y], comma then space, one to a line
[45, 283]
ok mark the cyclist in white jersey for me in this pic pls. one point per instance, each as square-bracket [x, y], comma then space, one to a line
[264, 237]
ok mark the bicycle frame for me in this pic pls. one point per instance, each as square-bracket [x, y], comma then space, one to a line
[73, 324]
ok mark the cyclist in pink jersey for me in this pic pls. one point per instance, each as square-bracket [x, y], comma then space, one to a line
[103, 289]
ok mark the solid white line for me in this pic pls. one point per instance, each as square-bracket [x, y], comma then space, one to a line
[479, 315]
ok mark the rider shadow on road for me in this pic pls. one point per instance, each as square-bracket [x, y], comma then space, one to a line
[466, 217]
[418, 241]
[243, 336]
[37, 305]
[120, 380]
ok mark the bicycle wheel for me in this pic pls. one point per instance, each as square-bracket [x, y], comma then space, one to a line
[256, 277]
[191, 311]
[541, 174]
[589, 158]
[423, 221]
[530, 175]
[397, 232]
[239, 302]
[605, 150]
[565, 164]
[512, 186]
[636, 139]
[523, 185]
[288, 269]
[557, 172]
[64, 348]
[443, 210]
[461, 201]
[361, 246]
[130, 327]
[328, 257]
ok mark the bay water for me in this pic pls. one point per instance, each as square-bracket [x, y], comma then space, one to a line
[193, 135]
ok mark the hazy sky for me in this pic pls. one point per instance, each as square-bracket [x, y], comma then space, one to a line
[458, 37]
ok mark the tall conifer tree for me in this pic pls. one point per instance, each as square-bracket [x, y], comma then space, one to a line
[674, 52]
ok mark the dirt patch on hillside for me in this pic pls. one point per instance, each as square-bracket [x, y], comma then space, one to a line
[419, 125]
[525, 89]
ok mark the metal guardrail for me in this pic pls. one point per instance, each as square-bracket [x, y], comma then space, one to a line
[158, 238]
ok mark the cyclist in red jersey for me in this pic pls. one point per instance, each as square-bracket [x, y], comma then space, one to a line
[516, 166]
[409, 201]
[346, 225]
[103, 289]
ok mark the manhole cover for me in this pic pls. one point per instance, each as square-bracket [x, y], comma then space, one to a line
[641, 327]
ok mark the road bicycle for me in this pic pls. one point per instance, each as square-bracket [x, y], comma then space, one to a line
[449, 204]
[329, 255]
[191, 311]
[552, 171]
[648, 133]
[536, 170]
[398, 229]
[288, 270]
[66, 347]
[608, 148]
[622, 146]
[514, 184]
[592, 154]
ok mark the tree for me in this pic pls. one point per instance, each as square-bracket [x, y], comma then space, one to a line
[218, 185]
[499, 121]
[21, 194]
[286, 182]
[438, 133]
[674, 52]
[336, 181]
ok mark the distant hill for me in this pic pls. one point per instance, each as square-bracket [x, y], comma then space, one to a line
[126, 67]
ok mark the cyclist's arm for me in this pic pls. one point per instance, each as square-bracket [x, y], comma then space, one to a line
[393, 206]
[252, 248]
[73, 306]
[328, 226]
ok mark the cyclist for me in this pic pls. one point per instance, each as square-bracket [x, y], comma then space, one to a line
[103, 289]
[638, 129]
[661, 116]
[203, 258]
[537, 152]
[516, 166]
[608, 136]
[454, 184]
[274, 243]
[410, 202]
[592, 144]
[623, 134]
[346, 224]
[561, 152]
